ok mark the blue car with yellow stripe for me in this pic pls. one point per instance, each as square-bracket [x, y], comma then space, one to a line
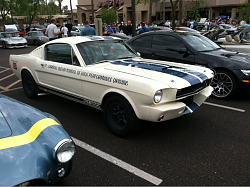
[34, 147]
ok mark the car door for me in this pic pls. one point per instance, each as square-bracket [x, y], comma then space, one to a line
[28, 38]
[60, 71]
[169, 48]
[142, 45]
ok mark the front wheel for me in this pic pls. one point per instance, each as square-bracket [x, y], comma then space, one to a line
[29, 85]
[120, 116]
[224, 84]
[4, 45]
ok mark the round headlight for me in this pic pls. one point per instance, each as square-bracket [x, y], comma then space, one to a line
[64, 150]
[158, 96]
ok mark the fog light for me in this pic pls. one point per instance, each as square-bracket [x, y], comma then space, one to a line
[161, 118]
[61, 172]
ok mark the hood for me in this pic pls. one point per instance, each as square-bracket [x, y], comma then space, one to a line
[17, 39]
[171, 74]
[233, 57]
[17, 117]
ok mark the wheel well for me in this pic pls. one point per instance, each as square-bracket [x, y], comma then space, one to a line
[22, 72]
[228, 70]
[110, 94]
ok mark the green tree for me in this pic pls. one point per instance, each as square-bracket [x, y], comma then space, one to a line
[65, 9]
[245, 10]
[196, 7]
[108, 16]
[5, 8]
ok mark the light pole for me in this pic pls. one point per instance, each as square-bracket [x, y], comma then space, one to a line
[133, 18]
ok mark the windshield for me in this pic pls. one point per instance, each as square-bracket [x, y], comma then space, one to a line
[80, 28]
[8, 35]
[97, 51]
[200, 43]
[37, 34]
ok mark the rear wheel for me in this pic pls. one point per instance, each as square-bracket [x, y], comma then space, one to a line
[29, 85]
[224, 84]
[120, 116]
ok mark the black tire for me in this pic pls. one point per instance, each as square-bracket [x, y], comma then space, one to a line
[224, 84]
[4, 45]
[29, 85]
[120, 116]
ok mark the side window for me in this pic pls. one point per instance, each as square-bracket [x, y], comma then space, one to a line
[164, 42]
[246, 36]
[144, 42]
[59, 53]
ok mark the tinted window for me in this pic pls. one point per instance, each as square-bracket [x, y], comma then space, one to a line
[59, 53]
[144, 42]
[164, 42]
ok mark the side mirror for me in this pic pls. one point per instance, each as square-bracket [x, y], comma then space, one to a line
[139, 54]
[182, 50]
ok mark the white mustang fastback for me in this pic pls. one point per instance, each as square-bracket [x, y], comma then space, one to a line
[104, 73]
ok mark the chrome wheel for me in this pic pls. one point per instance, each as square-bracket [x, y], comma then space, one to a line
[224, 84]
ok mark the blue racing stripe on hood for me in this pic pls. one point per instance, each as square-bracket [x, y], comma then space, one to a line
[162, 69]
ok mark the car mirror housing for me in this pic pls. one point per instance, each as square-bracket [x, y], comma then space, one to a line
[182, 50]
[139, 54]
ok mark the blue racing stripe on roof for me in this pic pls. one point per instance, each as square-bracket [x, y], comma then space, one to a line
[95, 38]
[107, 37]
[163, 69]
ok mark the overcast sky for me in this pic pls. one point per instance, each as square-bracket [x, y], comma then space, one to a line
[67, 2]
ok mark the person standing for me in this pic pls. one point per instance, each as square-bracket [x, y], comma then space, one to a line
[128, 29]
[27, 28]
[110, 30]
[87, 30]
[188, 23]
[246, 26]
[168, 24]
[206, 24]
[65, 31]
[192, 24]
[195, 24]
[143, 29]
[52, 31]
[117, 28]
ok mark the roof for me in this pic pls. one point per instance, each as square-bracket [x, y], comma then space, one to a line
[80, 39]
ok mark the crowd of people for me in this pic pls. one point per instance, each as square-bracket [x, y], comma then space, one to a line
[52, 31]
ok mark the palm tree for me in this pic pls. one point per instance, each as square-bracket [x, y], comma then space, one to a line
[71, 12]
[60, 5]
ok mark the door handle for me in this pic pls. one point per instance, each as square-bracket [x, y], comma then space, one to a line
[43, 65]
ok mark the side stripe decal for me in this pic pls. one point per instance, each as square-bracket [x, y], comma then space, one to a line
[29, 136]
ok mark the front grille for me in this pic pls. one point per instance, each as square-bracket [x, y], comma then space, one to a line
[19, 44]
[192, 90]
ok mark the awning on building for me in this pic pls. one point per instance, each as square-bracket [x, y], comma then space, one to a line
[120, 8]
[99, 10]
[99, 4]
[104, 3]
[121, 1]
[82, 7]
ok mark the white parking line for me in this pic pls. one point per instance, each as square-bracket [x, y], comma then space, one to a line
[118, 162]
[227, 107]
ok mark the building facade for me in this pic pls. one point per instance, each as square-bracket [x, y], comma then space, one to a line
[155, 10]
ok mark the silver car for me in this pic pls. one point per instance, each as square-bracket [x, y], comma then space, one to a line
[36, 38]
[11, 40]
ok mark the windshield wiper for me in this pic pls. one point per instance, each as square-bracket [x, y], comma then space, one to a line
[125, 57]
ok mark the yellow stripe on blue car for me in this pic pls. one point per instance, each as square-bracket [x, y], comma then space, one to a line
[29, 136]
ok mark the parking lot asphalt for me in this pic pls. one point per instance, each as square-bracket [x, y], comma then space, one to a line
[208, 147]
